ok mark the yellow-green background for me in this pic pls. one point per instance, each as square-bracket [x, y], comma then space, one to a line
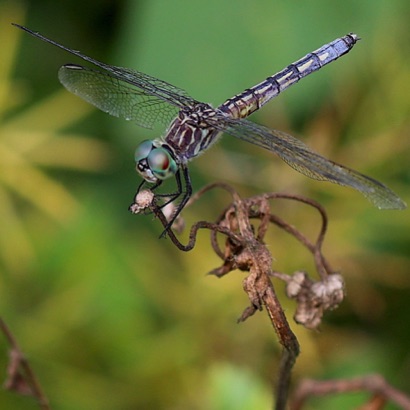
[110, 316]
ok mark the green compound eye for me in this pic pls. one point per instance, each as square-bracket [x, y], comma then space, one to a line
[154, 163]
[161, 163]
[143, 150]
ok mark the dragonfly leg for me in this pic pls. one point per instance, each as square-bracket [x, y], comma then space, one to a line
[185, 190]
[171, 197]
[143, 184]
[143, 198]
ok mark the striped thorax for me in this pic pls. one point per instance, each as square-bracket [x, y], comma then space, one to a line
[190, 133]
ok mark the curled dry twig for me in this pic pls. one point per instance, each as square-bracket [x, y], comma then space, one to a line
[245, 250]
[381, 391]
[20, 376]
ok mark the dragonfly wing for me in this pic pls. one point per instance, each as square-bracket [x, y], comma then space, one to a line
[300, 157]
[140, 84]
[114, 96]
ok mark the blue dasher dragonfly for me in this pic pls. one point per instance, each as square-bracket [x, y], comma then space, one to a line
[195, 126]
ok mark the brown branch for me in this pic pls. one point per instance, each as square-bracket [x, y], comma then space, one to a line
[21, 378]
[245, 250]
[381, 391]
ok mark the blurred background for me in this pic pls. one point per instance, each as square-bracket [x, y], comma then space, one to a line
[110, 316]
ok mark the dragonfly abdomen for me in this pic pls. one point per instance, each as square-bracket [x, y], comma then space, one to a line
[250, 100]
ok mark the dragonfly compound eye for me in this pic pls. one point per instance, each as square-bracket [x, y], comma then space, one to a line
[161, 163]
[141, 160]
[143, 150]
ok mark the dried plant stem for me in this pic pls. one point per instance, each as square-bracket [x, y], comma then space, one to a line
[382, 391]
[21, 377]
[245, 250]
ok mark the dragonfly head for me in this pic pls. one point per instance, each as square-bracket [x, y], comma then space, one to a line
[154, 161]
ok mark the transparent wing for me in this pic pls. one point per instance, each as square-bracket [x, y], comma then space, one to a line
[115, 97]
[144, 89]
[300, 157]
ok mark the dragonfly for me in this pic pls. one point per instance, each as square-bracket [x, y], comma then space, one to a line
[195, 126]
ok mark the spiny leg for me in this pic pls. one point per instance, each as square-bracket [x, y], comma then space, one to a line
[187, 192]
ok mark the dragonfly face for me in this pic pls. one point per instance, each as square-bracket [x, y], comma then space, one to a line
[154, 161]
[139, 97]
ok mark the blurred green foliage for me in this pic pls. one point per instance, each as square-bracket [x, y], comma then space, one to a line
[110, 316]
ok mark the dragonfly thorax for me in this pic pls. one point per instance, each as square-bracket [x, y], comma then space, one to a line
[154, 161]
[191, 132]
